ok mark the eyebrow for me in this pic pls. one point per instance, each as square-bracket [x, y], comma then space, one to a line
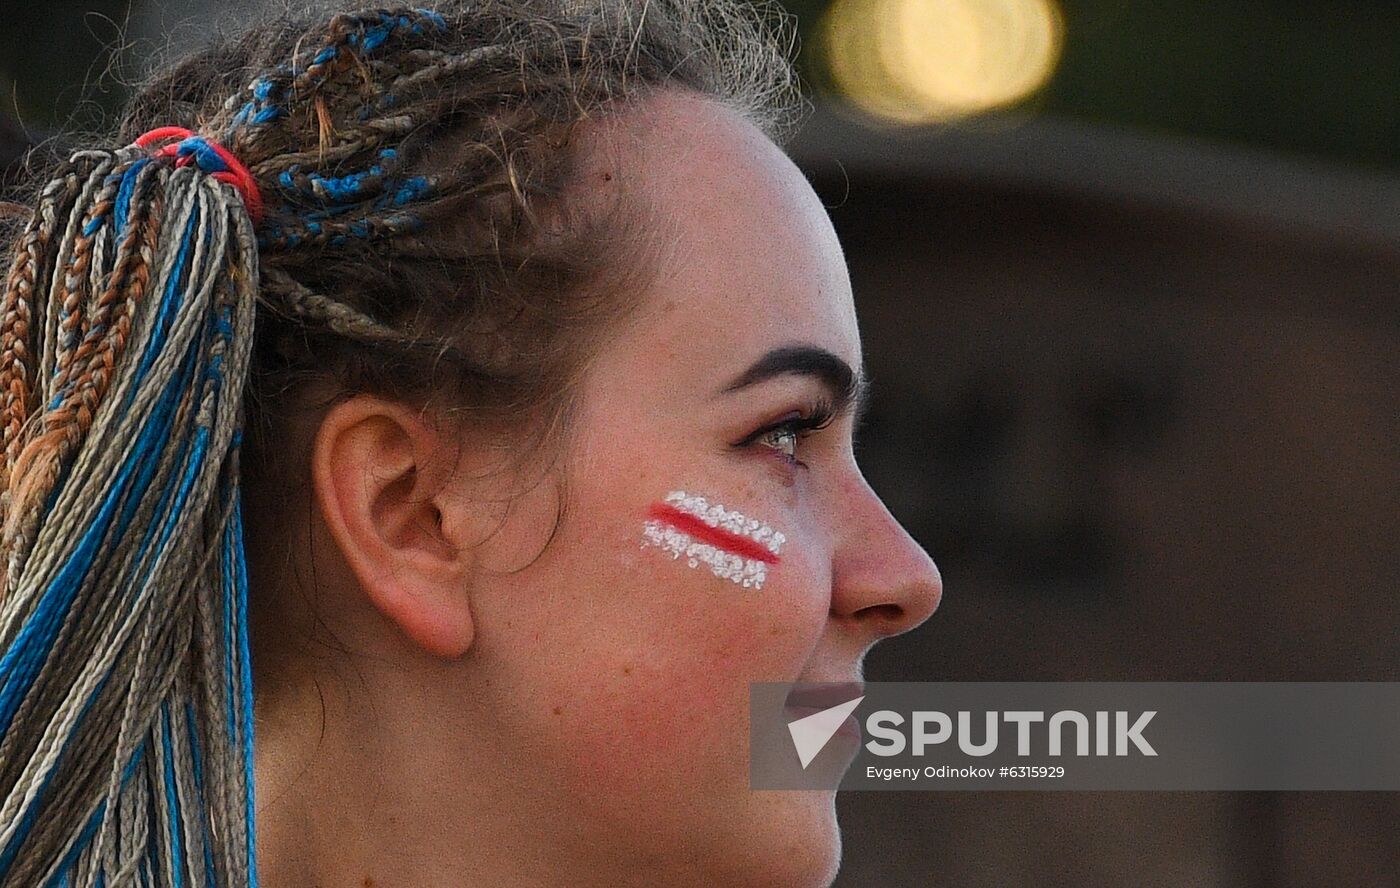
[849, 388]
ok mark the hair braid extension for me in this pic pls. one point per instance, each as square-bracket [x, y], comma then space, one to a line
[25, 277]
[368, 188]
[134, 417]
[336, 316]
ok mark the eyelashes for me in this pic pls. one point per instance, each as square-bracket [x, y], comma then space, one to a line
[791, 429]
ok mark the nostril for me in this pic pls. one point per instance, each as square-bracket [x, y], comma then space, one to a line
[881, 613]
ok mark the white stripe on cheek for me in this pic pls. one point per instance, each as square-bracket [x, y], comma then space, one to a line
[744, 571]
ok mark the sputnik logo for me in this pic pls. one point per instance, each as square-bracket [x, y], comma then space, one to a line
[733, 547]
[811, 733]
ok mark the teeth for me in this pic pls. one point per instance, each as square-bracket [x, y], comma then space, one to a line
[716, 515]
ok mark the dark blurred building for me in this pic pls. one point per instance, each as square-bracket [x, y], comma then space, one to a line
[1137, 397]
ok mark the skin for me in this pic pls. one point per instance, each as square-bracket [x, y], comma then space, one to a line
[455, 707]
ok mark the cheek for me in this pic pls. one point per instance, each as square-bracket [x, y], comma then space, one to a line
[649, 597]
[649, 658]
[706, 614]
[673, 592]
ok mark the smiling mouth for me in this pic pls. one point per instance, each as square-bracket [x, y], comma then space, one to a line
[802, 702]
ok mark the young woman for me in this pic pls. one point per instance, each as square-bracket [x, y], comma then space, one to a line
[461, 402]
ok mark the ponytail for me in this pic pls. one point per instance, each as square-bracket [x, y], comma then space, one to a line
[125, 697]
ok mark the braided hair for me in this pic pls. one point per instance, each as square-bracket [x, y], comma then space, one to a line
[375, 202]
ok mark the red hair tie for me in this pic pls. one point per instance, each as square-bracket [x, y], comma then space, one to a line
[211, 157]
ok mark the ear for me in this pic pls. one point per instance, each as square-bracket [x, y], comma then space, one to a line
[379, 470]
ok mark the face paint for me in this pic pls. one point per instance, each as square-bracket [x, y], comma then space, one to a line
[732, 546]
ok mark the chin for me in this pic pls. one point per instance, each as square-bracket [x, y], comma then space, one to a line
[792, 841]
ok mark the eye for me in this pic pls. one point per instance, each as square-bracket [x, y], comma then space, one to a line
[782, 438]
[783, 435]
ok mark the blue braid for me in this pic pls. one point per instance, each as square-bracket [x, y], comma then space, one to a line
[172, 799]
[205, 156]
[238, 565]
[128, 187]
[269, 92]
[329, 191]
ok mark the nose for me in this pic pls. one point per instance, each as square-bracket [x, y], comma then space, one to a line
[883, 582]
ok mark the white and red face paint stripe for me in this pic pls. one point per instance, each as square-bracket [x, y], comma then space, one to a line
[733, 547]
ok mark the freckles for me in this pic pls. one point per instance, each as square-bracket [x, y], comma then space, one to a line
[733, 547]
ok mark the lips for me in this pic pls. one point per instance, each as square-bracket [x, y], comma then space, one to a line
[806, 699]
[823, 695]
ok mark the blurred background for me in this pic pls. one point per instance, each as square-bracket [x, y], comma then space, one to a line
[1128, 277]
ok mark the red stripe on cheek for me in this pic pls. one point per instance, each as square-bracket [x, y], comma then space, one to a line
[715, 536]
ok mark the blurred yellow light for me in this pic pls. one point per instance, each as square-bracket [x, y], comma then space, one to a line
[918, 61]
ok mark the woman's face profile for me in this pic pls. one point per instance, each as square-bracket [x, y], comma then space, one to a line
[601, 693]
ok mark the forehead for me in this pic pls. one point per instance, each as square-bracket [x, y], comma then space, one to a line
[747, 259]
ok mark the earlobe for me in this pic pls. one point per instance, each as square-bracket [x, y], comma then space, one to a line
[441, 627]
[377, 469]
